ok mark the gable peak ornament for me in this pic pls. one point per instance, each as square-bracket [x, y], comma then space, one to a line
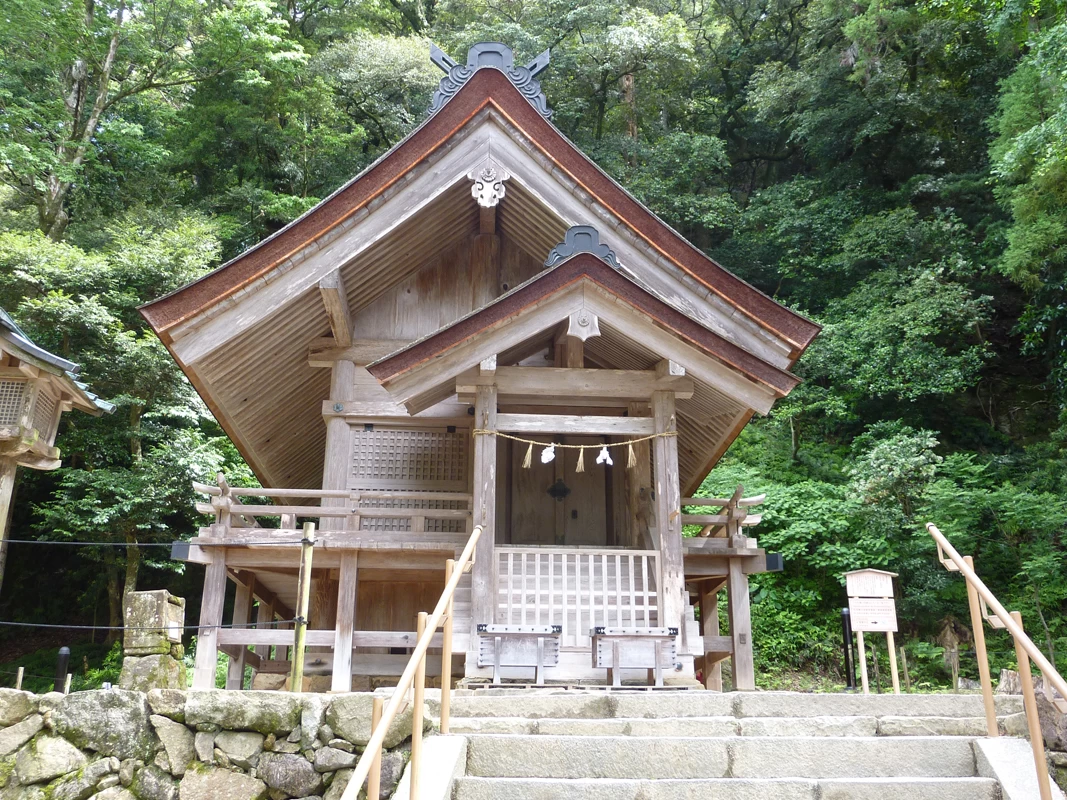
[582, 239]
[488, 187]
[489, 54]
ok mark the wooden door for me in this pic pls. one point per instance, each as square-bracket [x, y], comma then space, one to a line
[535, 517]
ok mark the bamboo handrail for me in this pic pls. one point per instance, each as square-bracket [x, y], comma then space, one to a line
[1025, 650]
[415, 665]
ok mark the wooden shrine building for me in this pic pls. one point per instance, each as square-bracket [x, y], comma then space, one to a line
[385, 362]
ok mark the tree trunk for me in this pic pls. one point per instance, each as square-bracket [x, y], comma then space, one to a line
[133, 566]
[114, 601]
[136, 411]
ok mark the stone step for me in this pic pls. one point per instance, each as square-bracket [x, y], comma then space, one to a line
[576, 704]
[726, 726]
[727, 789]
[640, 757]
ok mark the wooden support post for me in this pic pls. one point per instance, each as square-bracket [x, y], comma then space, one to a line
[18, 679]
[242, 613]
[485, 268]
[338, 457]
[346, 622]
[638, 482]
[709, 622]
[8, 471]
[446, 653]
[416, 711]
[668, 506]
[978, 631]
[303, 598]
[210, 619]
[904, 667]
[264, 621]
[70, 677]
[573, 352]
[863, 662]
[740, 627]
[1033, 722]
[483, 578]
[334, 298]
[374, 779]
[892, 661]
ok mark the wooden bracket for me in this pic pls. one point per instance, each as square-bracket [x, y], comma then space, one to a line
[336, 301]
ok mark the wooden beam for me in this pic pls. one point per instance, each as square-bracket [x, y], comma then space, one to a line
[236, 651]
[573, 352]
[563, 381]
[483, 579]
[334, 298]
[230, 637]
[668, 506]
[566, 423]
[261, 592]
[324, 351]
[346, 622]
[486, 220]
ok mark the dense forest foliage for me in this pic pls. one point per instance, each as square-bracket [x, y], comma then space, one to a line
[895, 169]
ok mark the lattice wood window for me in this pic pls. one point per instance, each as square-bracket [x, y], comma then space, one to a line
[44, 414]
[409, 459]
[12, 397]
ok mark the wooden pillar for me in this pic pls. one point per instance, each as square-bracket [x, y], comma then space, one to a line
[210, 618]
[8, 469]
[264, 618]
[709, 622]
[668, 507]
[638, 488]
[338, 456]
[740, 627]
[242, 614]
[346, 622]
[483, 576]
[485, 267]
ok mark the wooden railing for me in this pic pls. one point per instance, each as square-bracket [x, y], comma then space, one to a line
[414, 678]
[727, 522]
[577, 588]
[982, 601]
[361, 509]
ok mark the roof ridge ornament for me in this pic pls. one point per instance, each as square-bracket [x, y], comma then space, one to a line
[582, 239]
[489, 54]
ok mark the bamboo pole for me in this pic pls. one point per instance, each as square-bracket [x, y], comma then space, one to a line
[978, 631]
[18, 680]
[892, 661]
[416, 716]
[446, 654]
[374, 780]
[66, 684]
[303, 589]
[863, 662]
[1037, 741]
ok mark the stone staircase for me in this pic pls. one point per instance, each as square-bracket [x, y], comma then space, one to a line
[670, 745]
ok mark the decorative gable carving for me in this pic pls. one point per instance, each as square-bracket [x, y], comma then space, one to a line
[582, 239]
[489, 54]
[488, 188]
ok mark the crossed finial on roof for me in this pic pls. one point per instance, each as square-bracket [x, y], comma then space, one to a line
[489, 54]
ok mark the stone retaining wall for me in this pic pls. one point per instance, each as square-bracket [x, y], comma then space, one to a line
[114, 744]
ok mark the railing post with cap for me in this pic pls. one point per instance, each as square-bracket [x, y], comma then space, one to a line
[303, 588]
[978, 631]
[416, 713]
[446, 654]
[1033, 723]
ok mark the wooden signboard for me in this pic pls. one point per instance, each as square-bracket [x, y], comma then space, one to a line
[871, 608]
[873, 614]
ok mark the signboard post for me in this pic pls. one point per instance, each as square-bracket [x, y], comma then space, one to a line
[872, 609]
